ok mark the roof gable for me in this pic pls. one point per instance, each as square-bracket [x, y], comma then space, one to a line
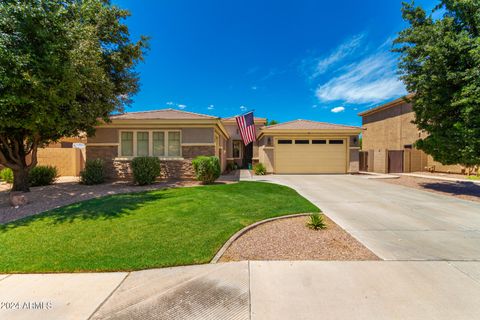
[301, 124]
[394, 103]
[163, 114]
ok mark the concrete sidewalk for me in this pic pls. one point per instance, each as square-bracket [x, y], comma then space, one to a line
[254, 290]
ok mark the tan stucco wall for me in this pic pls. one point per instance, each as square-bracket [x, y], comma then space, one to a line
[266, 156]
[197, 135]
[353, 161]
[414, 160]
[437, 166]
[68, 161]
[389, 129]
[392, 129]
[104, 135]
[380, 160]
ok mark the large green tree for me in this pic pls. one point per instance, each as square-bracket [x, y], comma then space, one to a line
[440, 63]
[64, 64]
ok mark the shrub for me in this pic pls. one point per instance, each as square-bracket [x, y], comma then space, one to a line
[230, 167]
[94, 172]
[316, 222]
[260, 169]
[42, 175]
[6, 175]
[145, 170]
[207, 169]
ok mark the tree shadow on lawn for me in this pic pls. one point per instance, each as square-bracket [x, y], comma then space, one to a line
[104, 208]
[454, 188]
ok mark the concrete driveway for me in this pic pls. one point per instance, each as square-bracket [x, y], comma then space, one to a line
[395, 222]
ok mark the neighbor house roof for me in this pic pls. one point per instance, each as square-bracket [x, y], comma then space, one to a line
[387, 105]
[308, 125]
[164, 114]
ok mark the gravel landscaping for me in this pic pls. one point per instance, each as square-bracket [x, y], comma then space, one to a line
[291, 239]
[462, 190]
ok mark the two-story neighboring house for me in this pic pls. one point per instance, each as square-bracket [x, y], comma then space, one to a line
[388, 139]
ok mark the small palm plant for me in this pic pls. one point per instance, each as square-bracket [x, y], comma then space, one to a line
[316, 222]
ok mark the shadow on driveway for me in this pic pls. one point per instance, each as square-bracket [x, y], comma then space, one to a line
[454, 188]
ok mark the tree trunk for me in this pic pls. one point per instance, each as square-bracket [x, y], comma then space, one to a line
[20, 180]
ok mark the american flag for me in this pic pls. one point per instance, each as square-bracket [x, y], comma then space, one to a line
[247, 127]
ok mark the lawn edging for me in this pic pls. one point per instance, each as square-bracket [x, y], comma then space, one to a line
[241, 232]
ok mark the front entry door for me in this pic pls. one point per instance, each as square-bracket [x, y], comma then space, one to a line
[247, 155]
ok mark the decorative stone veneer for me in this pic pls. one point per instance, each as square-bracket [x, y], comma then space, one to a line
[107, 154]
[171, 169]
[354, 164]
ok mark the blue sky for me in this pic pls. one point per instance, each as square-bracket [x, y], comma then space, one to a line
[318, 60]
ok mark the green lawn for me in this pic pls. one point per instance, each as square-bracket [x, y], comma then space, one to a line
[474, 177]
[142, 230]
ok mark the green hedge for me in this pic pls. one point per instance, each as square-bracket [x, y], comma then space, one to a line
[42, 176]
[207, 169]
[145, 170]
[94, 172]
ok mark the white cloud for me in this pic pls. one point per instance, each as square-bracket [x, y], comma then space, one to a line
[169, 103]
[181, 106]
[314, 106]
[322, 65]
[254, 88]
[211, 107]
[338, 109]
[370, 80]
[243, 108]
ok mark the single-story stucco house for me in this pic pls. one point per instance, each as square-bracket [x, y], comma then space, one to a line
[388, 139]
[176, 137]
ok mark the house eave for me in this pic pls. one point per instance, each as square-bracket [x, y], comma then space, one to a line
[286, 132]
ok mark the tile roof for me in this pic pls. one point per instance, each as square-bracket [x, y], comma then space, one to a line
[393, 103]
[255, 119]
[164, 114]
[308, 125]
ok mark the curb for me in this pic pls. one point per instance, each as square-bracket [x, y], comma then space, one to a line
[375, 175]
[237, 235]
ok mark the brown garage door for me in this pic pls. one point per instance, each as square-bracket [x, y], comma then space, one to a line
[395, 161]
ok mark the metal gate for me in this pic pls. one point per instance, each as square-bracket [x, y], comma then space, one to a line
[395, 161]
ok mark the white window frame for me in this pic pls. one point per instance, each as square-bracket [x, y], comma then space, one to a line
[120, 144]
[150, 143]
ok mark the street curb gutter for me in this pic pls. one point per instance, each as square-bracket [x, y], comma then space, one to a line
[237, 235]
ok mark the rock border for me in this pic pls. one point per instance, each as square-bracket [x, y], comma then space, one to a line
[239, 233]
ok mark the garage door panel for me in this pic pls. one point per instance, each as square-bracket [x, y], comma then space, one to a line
[310, 158]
